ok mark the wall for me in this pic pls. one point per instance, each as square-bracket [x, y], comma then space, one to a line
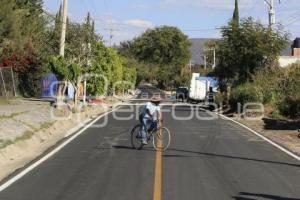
[285, 61]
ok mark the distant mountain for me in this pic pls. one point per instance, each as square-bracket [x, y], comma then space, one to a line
[198, 46]
[197, 49]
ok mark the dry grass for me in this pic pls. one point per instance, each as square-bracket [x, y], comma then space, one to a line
[25, 136]
[12, 115]
[3, 101]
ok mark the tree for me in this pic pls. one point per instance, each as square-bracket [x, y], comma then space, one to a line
[116, 69]
[66, 72]
[54, 33]
[289, 103]
[22, 32]
[164, 48]
[9, 23]
[107, 67]
[236, 15]
[245, 49]
[129, 70]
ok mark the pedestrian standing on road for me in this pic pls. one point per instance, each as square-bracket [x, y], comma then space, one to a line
[150, 114]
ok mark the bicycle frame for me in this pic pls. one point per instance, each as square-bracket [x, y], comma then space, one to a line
[151, 133]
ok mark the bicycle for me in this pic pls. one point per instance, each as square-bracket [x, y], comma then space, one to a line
[161, 137]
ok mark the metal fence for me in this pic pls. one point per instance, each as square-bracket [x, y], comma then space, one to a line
[8, 82]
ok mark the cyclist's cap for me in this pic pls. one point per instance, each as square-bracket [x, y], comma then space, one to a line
[155, 99]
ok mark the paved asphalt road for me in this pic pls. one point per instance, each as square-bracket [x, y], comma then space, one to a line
[207, 159]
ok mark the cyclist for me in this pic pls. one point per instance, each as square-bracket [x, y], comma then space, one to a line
[149, 115]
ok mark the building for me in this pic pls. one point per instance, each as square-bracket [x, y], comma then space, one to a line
[291, 54]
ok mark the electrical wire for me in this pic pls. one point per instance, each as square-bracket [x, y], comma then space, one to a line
[292, 17]
[293, 21]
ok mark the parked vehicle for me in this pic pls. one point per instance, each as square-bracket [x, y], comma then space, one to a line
[182, 93]
[201, 89]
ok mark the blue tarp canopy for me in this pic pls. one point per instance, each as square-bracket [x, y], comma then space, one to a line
[49, 85]
[213, 81]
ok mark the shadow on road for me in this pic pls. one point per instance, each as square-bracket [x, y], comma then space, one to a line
[199, 154]
[243, 198]
[266, 196]
[123, 147]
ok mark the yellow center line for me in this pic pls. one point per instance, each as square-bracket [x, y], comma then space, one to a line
[158, 172]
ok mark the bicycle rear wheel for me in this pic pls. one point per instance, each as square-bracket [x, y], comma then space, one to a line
[162, 139]
[136, 138]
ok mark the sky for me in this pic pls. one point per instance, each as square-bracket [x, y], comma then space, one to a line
[196, 18]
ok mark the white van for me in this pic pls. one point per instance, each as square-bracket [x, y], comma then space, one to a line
[198, 89]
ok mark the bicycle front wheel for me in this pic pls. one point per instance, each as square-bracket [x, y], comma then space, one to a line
[162, 139]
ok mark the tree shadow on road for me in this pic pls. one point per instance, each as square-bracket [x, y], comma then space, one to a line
[199, 154]
[265, 196]
[124, 147]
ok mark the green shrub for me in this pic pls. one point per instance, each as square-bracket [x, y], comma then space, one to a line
[246, 93]
[269, 81]
[289, 105]
[219, 98]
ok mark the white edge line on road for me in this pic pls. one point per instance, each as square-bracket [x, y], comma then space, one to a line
[264, 138]
[50, 154]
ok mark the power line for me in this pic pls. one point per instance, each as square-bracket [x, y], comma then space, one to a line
[293, 21]
[292, 17]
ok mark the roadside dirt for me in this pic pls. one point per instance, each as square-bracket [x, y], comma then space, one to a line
[26, 148]
[284, 133]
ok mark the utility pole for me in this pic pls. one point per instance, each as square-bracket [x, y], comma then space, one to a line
[214, 57]
[63, 29]
[111, 34]
[88, 62]
[271, 7]
[205, 63]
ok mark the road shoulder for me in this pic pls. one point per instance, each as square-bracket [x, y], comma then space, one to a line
[16, 156]
[286, 142]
